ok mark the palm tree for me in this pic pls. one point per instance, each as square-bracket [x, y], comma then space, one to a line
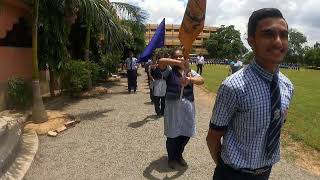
[107, 14]
[39, 114]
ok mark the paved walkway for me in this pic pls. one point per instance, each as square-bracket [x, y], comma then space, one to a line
[120, 138]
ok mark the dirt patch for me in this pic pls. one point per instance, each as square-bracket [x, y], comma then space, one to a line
[303, 156]
[95, 91]
[113, 79]
[204, 97]
[56, 119]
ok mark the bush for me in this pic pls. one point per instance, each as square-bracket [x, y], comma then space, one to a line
[75, 76]
[110, 62]
[95, 71]
[19, 92]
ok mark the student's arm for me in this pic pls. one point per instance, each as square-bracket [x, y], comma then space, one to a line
[197, 80]
[124, 64]
[136, 63]
[149, 72]
[222, 114]
[214, 143]
[164, 62]
[194, 78]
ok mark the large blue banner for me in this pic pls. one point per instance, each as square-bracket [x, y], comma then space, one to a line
[157, 41]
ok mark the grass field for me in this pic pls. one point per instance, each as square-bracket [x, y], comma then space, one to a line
[303, 122]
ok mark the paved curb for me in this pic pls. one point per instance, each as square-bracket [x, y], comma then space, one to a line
[25, 155]
[10, 139]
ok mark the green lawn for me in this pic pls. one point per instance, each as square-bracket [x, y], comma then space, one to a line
[303, 122]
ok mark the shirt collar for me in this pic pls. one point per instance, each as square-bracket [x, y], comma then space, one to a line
[262, 72]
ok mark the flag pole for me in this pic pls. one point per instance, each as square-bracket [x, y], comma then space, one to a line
[191, 26]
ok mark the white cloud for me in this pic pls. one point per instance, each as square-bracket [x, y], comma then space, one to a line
[304, 15]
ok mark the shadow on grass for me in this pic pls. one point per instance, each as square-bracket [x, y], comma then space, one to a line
[161, 166]
[144, 121]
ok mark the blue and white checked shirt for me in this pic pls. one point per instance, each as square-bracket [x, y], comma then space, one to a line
[243, 109]
[132, 63]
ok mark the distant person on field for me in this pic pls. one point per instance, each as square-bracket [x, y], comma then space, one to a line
[200, 63]
[235, 65]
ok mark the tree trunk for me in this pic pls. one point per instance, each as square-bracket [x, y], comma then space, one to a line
[87, 49]
[39, 114]
[87, 42]
[52, 86]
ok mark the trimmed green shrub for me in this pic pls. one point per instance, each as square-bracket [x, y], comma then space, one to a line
[95, 72]
[110, 62]
[19, 92]
[75, 76]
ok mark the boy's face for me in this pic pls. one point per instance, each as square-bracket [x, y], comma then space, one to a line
[270, 42]
[178, 55]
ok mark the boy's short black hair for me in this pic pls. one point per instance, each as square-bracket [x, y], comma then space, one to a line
[173, 52]
[260, 14]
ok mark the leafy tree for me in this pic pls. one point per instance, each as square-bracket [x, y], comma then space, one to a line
[136, 41]
[312, 57]
[317, 45]
[225, 43]
[248, 57]
[163, 52]
[295, 49]
[53, 39]
[96, 12]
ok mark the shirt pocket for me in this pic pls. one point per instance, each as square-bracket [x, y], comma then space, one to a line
[245, 104]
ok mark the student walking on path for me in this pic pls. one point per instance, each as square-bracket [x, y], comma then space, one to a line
[179, 116]
[132, 67]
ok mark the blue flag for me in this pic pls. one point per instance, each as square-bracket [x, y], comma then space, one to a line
[157, 41]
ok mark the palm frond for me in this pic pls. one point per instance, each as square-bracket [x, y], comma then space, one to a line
[130, 12]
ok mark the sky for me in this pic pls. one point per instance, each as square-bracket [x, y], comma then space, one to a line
[303, 15]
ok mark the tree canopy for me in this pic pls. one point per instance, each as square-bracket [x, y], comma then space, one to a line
[296, 47]
[312, 56]
[225, 43]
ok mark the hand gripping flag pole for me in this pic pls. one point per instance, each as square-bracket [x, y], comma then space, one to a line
[191, 26]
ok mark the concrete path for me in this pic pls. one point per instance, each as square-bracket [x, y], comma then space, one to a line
[121, 138]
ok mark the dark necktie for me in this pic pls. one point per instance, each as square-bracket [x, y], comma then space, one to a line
[274, 129]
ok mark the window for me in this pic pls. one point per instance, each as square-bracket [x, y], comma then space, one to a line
[153, 30]
[198, 39]
[168, 30]
[205, 31]
[176, 30]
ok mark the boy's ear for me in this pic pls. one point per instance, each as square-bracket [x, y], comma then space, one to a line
[251, 42]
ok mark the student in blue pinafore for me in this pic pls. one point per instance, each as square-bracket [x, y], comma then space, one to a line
[179, 115]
